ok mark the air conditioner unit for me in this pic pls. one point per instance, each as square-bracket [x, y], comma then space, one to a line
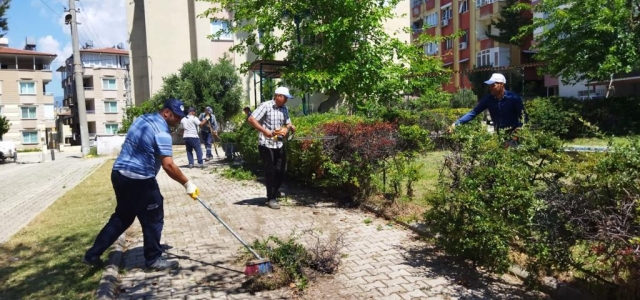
[463, 45]
[445, 22]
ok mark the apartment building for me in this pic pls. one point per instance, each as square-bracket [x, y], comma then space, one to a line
[474, 47]
[159, 48]
[24, 100]
[105, 81]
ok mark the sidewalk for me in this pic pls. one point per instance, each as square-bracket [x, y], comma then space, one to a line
[381, 261]
[28, 188]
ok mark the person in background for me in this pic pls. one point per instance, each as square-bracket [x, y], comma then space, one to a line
[147, 147]
[506, 108]
[190, 125]
[271, 119]
[208, 129]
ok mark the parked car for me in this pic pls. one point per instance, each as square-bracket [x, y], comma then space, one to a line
[8, 151]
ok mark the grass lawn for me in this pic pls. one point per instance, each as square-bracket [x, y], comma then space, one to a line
[598, 141]
[43, 260]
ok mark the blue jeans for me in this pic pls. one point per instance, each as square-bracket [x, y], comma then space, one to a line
[193, 144]
[207, 138]
[135, 198]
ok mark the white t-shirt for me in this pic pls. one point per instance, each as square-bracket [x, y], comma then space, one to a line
[190, 125]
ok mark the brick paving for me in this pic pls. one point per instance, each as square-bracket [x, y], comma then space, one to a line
[381, 261]
[28, 189]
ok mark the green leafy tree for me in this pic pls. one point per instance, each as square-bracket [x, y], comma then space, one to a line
[201, 83]
[590, 39]
[512, 18]
[4, 22]
[340, 48]
[4, 126]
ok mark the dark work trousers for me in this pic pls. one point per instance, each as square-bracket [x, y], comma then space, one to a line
[193, 143]
[135, 198]
[207, 139]
[274, 167]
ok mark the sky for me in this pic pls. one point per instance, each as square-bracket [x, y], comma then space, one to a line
[102, 21]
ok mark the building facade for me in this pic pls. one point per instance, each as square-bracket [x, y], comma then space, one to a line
[474, 48]
[105, 79]
[159, 48]
[24, 99]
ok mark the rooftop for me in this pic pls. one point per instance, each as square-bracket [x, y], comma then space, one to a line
[14, 51]
[106, 51]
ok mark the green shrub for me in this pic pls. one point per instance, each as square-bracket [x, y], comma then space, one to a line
[238, 173]
[463, 98]
[557, 116]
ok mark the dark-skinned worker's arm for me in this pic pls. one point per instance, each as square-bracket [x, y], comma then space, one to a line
[176, 174]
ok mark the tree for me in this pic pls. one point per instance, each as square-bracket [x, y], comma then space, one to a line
[4, 22]
[4, 126]
[590, 39]
[343, 51]
[511, 19]
[199, 84]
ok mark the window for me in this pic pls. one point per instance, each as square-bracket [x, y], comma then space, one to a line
[431, 20]
[219, 26]
[109, 84]
[29, 137]
[463, 7]
[111, 128]
[28, 112]
[448, 44]
[446, 13]
[111, 107]
[465, 37]
[484, 2]
[431, 48]
[483, 58]
[27, 88]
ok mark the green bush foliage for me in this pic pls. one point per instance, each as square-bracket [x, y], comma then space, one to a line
[463, 98]
[562, 211]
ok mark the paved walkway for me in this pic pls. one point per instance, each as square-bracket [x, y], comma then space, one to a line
[28, 189]
[380, 261]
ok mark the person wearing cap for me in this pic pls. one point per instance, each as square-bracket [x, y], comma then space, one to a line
[271, 119]
[208, 129]
[506, 108]
[147, 147]
[190, 125]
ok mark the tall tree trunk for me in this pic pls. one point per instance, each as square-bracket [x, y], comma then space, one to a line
[330, 103]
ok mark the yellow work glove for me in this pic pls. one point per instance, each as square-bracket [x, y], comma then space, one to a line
[192, 190]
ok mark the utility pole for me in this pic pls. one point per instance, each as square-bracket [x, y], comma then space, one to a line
[77, 72]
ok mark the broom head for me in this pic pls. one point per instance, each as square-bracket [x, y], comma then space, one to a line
[258, 267]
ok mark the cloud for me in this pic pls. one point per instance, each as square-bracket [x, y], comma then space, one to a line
[103, 22]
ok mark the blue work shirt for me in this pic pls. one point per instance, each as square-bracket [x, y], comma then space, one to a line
[148, 139]
[505, 113]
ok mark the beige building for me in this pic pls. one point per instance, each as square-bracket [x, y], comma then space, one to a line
[24, 100]
[105, 80]
[160, 44]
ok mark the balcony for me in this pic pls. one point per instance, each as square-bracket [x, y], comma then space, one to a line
[64, 111]
[89, 92]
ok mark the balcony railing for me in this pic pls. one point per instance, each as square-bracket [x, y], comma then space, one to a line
[91, 111]
[88, 88]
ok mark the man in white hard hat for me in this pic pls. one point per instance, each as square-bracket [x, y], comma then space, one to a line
[506, 108]
[272, 121]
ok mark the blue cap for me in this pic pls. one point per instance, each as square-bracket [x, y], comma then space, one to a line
[176, 106]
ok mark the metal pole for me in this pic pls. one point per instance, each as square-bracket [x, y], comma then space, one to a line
[77, 71]
[304, 97]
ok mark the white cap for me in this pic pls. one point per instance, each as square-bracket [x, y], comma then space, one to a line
[284, 92]
[496, 77]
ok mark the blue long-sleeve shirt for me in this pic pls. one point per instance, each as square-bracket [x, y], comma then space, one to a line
[506, 113]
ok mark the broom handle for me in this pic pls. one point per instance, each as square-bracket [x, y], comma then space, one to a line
[229, 228]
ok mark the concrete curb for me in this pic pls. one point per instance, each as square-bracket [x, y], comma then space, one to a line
[550, 286]
[110, 280]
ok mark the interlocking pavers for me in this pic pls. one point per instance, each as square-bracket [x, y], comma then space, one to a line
[381, 262]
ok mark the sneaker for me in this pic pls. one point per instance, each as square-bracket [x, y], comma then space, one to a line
[273, 203]
[163, 264]
[190, 166]
[280, 194]
[95, 262]
[207, 159]
[201, 166]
